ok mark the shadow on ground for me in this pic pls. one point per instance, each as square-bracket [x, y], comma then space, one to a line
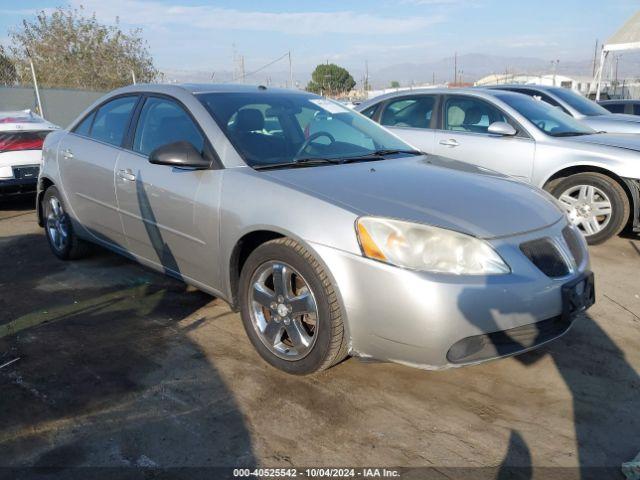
[604, 387]
[107, 374]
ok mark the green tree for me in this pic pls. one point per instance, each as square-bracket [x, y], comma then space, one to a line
[331, 80]
[8, 74]
[394, 84]
[71, 49]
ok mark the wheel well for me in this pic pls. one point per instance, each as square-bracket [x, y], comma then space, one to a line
[567, 172]
[44, 184]
[243, 248]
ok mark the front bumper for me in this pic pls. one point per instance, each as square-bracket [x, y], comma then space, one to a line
[415, 318]
[18, 186]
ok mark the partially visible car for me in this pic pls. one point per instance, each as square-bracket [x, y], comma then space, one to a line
[595, 176]
[579, 107]
[629, 107]
[22, 134]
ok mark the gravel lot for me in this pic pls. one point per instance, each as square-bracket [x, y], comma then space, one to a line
[119, 366]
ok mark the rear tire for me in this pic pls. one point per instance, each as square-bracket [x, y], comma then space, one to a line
[584, 195]
[318, 339]
[63, 241]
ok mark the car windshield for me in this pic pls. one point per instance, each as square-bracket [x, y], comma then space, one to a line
[551, 120]
[581, 104]
[273, 129]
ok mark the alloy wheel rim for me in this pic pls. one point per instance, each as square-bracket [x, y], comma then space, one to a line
[587, 207]
[57, 227]
[284, 311]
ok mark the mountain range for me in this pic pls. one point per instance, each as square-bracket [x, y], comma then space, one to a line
[471, 67]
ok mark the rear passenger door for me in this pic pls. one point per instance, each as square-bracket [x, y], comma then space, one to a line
[412, 118]
[87, 158]
[464, 136]
[169, 214]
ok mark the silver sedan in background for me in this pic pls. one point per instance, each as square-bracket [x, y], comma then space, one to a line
[329, 234]
[595, 176]
[579, 107]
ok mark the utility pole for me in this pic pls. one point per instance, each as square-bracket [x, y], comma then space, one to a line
[366, 76]
[133, 76]
[555, 70]
[290, 72]
[595, 59]
[35, 84]
[455, 67]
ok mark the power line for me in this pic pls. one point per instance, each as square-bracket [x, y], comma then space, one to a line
[245, 75]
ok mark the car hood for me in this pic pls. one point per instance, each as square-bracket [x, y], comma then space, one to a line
[628, 141]
[430, 190]
[614, 122]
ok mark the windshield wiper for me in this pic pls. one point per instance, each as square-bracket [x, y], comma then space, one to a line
[379, 155]
[571, 134]
[299, 162]
[392, 151]
[313, 161]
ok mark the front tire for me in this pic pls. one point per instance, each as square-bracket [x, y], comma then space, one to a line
[62, 239]
[595, 203]
[290, 309]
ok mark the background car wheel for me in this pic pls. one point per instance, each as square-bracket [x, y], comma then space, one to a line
[290, 309]
[597, 204]
[63, 241]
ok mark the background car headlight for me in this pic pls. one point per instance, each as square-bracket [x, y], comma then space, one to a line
[427, 248]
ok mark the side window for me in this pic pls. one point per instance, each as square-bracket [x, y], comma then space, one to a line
[636, 109]
[467, 114]
[615, 107]
[84, 127]
[163, 121]
[112, 119]
[409, 112]
[543, 97]
[368, 112]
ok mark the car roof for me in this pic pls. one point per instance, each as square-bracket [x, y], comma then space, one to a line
[541, 88]
[620, 100]
[200, 88]
[475, 91]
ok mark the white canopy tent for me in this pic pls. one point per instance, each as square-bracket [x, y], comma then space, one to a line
[627, 38]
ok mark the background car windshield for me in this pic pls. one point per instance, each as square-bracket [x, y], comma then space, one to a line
[549, 119]
[580, 103]
[269, 128]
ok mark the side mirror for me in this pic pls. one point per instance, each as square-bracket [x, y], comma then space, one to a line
[179, 154]
[502, 128]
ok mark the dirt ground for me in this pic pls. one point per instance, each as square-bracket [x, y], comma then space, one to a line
[118, 366]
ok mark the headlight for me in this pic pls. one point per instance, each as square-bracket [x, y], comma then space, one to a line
[426, 248]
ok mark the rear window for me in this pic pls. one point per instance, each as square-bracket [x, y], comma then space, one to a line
[614, 107]
[16, 141]
[20, 117]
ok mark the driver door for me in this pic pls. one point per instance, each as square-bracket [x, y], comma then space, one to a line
[464, 136]
[169, 215]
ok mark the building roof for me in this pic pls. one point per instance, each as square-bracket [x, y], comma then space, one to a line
[628, 37]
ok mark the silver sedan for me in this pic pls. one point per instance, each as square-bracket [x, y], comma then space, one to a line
[595, 176]
[329, 234]
[579, 107]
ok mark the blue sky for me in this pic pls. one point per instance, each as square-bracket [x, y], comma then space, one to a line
[199, 35]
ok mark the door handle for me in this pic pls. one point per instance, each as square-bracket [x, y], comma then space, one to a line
[449, 143]
[127, 174]
[67, 153]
